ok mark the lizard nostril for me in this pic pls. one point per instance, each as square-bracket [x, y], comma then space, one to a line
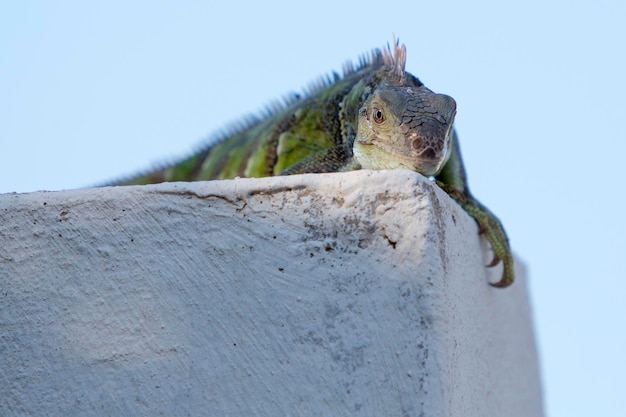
[429, 153]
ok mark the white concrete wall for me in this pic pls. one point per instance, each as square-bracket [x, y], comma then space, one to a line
[352, 294]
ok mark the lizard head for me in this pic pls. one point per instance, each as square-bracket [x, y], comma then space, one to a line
[404, 127]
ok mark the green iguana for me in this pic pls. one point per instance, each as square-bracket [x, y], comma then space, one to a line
[375, 116]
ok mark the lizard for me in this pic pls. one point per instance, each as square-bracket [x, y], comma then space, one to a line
[374, 116]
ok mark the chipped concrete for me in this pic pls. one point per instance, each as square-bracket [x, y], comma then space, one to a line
[348, 294]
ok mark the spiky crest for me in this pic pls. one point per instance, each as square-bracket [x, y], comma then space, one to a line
[375, 58]
[395, 59]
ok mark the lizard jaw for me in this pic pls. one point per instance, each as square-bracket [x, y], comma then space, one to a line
[375, 156]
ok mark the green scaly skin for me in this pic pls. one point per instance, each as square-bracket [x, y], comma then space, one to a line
[376, 116]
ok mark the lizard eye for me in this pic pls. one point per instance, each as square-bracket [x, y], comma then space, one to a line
[378, 116]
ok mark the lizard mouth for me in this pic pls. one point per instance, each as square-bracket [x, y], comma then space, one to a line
[426, 166]
[375, 156]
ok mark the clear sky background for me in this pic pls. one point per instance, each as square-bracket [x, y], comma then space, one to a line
[90, 91]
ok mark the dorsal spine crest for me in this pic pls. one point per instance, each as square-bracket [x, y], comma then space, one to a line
[395, 59]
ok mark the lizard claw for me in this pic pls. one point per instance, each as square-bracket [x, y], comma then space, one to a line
[495, 261]
[508, 276]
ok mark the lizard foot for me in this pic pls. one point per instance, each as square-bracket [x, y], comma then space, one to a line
[490, 227]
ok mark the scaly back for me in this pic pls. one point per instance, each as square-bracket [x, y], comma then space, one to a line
[310, 132]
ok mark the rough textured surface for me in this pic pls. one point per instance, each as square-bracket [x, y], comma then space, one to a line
[360, 293]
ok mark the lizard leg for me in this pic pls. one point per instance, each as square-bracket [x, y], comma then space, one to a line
[453, 181]
[491, 228]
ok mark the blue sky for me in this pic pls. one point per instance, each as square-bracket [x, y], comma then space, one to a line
[92, 91]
